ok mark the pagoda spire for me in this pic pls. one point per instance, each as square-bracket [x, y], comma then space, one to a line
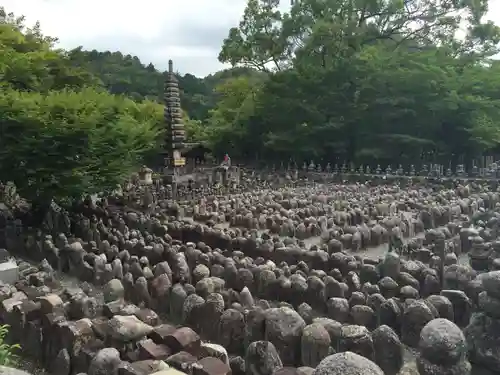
[175, 135]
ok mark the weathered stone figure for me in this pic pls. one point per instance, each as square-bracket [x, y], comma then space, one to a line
[347, 363]
[483, 340]
[442, 349]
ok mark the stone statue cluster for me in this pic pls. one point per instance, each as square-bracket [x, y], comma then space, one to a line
[262, 280]
[491, 171]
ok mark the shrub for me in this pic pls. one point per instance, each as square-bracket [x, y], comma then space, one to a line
[7, 351]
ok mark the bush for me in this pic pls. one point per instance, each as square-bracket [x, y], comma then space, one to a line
[64, 144]
[7, 352]
[61, 134]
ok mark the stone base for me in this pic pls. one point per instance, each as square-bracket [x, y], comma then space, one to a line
[483, 341]
[478, 264]
[9, 272]
[427, 368]
[4, 370]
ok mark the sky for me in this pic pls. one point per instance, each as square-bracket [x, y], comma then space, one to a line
[190, 32]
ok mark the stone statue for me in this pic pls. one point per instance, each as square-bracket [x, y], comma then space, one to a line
[424, 171]
[395, 244]
[475, 171]
[312, 166]
[400, 170]
[437, 170]
[493, 169]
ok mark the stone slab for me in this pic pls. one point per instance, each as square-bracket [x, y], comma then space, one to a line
[9, 272]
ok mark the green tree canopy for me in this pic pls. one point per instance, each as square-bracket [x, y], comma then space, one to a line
[127, 75]
[61, 134]
[64, 144]
[322, 31]
[365, 81]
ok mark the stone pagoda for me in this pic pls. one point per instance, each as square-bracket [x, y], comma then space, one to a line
[175, 135]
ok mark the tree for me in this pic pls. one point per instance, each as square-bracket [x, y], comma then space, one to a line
[334, 80]
[29, 62]
[129, 76]
[60, 137]
[65, 144]
[258, 41]
[195, 131]
[362, 81]
[406, 105]
[229, 128]
[324, 31]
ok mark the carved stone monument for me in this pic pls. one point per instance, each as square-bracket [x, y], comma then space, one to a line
[175, 133]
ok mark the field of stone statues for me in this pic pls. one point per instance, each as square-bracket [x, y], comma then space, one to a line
[324, 279]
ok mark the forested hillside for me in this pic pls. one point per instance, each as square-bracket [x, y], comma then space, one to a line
[128, 75]
[376, 82]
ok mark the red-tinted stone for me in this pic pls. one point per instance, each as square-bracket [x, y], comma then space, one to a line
[159, 333]
[148, 316]
[182, 361]
[150, 350]
[131, 356]
[286, 371]
[146, 367]
[211, 366]
[184, 339]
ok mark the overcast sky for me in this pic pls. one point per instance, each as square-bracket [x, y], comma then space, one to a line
[188, 31]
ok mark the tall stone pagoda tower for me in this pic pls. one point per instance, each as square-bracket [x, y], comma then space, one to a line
[175, 135]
